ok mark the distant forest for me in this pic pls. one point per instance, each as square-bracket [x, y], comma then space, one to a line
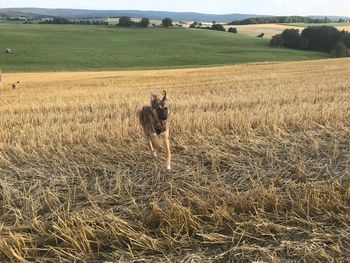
[65, 21]
[282, 19]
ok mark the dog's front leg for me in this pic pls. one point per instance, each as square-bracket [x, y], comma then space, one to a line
[154, 142]
[167, 145]
[153, 152]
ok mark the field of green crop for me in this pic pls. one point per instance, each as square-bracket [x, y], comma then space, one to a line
[71, 47]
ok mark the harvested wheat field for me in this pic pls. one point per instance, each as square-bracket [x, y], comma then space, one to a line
[260, 171]
[268, 29]
[346, 28]
[272, 29]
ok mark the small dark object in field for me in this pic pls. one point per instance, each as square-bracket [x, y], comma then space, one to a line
[232, 30]
[15, 85]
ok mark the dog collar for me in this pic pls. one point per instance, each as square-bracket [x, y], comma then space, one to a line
[159, 130]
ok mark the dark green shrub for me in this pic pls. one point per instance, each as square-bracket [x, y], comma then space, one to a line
[194, 25]
[321, 38]
[144, 22]
[218, 27]
[167, 22]
[340, 50]
[345, 38]
[277, 41]
[125, 21]
[232, 30]
[291, 38]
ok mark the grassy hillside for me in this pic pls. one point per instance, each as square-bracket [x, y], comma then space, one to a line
[66, 47]
[261, 167]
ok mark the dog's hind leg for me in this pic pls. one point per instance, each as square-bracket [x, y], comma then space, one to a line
[167, 144]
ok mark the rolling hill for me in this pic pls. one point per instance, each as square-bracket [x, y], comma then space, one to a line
[156, 15]
[73, 47]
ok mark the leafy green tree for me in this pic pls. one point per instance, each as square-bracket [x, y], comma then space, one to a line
[167, 22]
[345, 37]
[318, 38]
[218, 27]
[125, 21]
[194, 24]
[144, 22]
[291, 38]
[340, 50]
[277, 41]
[321, 38]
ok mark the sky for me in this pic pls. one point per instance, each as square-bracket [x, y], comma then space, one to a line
[261, 7]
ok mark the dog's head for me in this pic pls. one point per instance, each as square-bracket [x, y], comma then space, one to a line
[161, 106]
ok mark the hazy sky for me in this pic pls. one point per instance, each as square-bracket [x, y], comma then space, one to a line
[267, 7]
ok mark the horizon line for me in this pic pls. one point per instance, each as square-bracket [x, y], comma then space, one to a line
[167, 11]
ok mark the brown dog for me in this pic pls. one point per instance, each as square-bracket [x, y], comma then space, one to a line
[154, 121]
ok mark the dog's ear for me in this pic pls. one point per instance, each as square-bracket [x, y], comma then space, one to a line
[154, 97]
[164, 98]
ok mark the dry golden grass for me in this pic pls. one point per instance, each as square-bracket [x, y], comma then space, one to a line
[270, 29]
[346, 28]
[261, 166]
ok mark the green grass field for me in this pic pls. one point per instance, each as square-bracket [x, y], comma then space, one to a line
[67, 48]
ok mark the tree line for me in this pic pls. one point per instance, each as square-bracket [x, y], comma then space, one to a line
[317, 38]
[282, 19]
[66, 21]
[124, 21]
[214, 26]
